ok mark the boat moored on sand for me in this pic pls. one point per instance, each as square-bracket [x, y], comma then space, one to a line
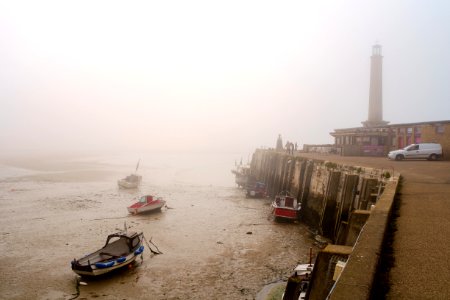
[298, 283]
[242, 174]
[285, 206]
[120, 250]
[256, 189]
[130, 182]
[145, 204]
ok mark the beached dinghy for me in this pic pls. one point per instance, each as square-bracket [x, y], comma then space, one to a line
[131, 181]
[120, 250]
[145, 204]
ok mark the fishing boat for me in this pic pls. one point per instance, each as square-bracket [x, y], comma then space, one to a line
[120, 250]
[145, 204]
[285, 206]
[298, 283]
[256, 189]
[131, 181]
[242, 174]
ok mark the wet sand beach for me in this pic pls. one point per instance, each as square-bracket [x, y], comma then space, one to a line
[216, 243]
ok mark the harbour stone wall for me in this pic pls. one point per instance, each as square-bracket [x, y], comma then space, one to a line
[338, 201]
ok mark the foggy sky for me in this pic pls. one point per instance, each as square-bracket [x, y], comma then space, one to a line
[212, 75]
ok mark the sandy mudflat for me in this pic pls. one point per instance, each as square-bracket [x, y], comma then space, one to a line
[216, 243]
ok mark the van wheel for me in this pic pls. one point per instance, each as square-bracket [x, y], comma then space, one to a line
[433, 157]
[399, 157]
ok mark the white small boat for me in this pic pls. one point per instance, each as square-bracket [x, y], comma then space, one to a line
[130, 182]
[145, 204]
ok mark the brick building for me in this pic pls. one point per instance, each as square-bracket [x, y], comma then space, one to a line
[378, 141]
[376, 137]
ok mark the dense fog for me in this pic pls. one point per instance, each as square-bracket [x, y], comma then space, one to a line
[105, 76]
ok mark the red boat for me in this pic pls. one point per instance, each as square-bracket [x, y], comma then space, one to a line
[145, 204]
[285, 206]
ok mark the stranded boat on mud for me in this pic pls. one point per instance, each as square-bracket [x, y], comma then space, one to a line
[285, 206]
[242, 174]
[145, 204]
[120, 250]
[256, 189]
[130, 182]
[298, 283]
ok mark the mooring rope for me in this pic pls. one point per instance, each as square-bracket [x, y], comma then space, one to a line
[77, 287]
[148, 245]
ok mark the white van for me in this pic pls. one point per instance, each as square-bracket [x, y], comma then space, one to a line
[430, 151]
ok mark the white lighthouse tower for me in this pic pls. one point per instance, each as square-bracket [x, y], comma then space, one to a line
[375, 118]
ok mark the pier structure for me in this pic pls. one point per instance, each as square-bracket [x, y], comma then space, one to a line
[338, 201]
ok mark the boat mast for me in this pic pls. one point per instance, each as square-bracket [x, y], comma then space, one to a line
[137, 166]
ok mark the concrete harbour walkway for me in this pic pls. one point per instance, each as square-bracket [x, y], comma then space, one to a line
[421, 244]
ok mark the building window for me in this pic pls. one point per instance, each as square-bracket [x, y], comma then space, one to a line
[417, 135]
[439, 128]
[400, 142]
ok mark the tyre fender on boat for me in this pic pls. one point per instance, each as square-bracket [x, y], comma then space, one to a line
[139, 250]
[121, 259]
[103, 265]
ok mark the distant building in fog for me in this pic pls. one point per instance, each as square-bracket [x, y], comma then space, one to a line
[378, 141]
[279, 143]
[376, 137]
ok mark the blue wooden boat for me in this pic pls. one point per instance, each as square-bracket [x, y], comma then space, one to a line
[120, 250]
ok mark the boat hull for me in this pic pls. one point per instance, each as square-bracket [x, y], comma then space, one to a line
[286, 213]
[127, 185]
[120, 250]
[242, 174]
[146, 208]
[103, 270]
[130, 182]
[256, 190]
[286, 207]
[298, 283]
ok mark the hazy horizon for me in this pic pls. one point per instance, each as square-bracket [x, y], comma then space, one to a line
[140, 76]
